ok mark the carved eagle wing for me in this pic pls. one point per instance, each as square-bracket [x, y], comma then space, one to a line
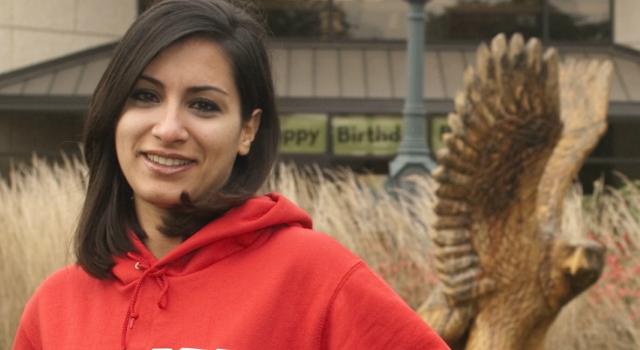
[505, 129]
[584, 99]
[514, 149]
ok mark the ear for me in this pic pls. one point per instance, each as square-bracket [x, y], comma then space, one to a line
[248, 133]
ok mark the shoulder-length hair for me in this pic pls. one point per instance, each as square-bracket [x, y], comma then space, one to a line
[108, 211]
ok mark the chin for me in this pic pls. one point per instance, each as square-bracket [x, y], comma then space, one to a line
[163, 200]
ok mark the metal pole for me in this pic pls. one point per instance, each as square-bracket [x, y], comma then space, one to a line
[413, 153]
[612, 11]
[545, 20]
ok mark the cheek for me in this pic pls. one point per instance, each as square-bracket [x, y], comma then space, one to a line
[122, 139]
[220, 151]
[119, 141]
[127, 133]
[221, 140]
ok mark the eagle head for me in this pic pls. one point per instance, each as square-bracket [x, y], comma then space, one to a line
[571, 266]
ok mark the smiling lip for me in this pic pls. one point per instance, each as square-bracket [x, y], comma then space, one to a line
[167, 164]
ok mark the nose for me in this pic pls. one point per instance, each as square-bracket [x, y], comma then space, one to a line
[170, 127]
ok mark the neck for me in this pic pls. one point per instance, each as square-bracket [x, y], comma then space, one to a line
[150, 218]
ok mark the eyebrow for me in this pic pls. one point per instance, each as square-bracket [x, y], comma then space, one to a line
[192, 89]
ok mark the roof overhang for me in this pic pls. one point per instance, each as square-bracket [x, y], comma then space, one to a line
[354, 78]
[44, 103]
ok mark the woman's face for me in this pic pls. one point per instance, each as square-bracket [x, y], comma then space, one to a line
[180, 129]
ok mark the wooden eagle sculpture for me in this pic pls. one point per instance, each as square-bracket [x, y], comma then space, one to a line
[522, 129]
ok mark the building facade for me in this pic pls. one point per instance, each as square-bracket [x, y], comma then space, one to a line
[35, 31]
[626, 27]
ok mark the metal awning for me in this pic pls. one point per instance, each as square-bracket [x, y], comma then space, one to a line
[317, 77]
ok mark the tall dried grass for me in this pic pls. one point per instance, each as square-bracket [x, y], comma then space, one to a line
[41, 204]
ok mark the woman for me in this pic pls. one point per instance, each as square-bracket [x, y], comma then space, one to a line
[174, 251]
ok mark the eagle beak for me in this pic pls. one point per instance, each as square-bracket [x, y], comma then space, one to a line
[576, 262]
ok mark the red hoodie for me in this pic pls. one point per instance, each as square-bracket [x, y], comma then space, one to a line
[257, 278]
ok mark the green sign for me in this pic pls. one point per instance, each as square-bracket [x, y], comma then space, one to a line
[303, 133]
[366, 135]
[439, 126]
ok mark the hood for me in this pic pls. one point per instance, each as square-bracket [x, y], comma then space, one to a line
[234, 231]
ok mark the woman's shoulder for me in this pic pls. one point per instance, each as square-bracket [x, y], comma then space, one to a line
[68, 274]
[63, 287]
[308, 250]
[360, 300]
[64, 282]
[312, 244]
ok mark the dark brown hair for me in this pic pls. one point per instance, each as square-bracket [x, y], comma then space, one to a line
[108, 210]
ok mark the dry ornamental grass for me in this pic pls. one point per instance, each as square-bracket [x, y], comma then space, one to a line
[38, 212]
[41, 203]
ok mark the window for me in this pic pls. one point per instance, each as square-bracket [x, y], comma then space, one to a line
[447, 20]
[584, 20]
[331, 20]
[145, 4]
[482, 19]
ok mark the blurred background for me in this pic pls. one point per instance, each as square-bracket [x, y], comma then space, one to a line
[340, 69]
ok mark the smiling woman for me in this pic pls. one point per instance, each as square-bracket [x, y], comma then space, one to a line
[180, 131]
[174, 248]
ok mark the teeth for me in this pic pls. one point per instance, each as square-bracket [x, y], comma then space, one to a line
[167, 161]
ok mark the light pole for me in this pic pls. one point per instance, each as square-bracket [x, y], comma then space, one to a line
[413, 153]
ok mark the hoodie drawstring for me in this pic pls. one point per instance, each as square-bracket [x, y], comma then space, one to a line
[160, 278]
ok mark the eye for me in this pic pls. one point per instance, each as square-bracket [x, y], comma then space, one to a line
[204, 106]
[145, 96]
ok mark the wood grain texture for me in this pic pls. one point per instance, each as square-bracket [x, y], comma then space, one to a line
[522, 129]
